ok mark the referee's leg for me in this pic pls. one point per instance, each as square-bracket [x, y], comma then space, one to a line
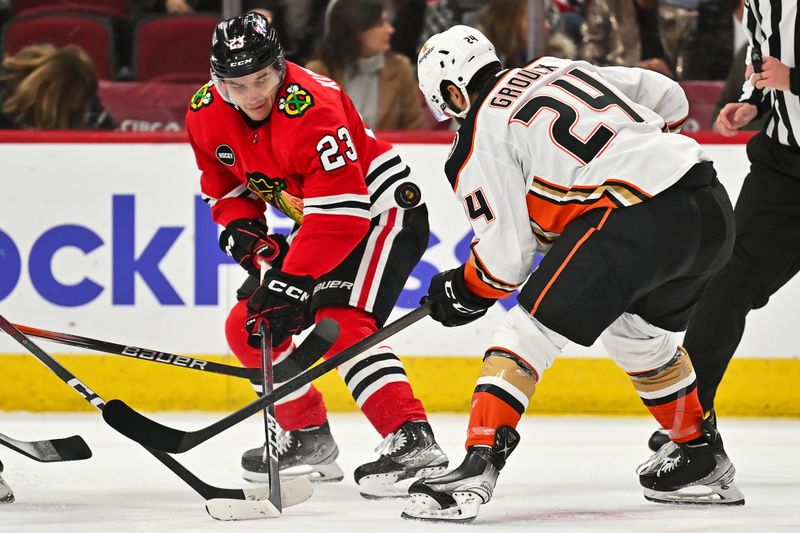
[766, 255]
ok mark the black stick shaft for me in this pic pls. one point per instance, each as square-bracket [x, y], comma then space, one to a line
[206, 491]
[142, 354]
[270, 422]
[192, 439]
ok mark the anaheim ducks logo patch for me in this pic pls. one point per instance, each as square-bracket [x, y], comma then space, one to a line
[273, 191]
[296, 102]
[201, 98]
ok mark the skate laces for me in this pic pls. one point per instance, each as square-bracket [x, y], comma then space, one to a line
[283, 441]
[661, 462]
[392, 443]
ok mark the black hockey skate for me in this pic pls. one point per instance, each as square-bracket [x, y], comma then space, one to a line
[302, 452]
[410, 452]
[457, 496]
[659, 438]
[6, 494]
[694, 472]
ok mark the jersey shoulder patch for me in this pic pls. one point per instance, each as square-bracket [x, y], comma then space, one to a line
[295, 100]
[202, 98]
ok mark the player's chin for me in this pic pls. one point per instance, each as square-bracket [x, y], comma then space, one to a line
[258, 113]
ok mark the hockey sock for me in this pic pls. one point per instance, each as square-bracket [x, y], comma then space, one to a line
[504, 388]
[670, 393]
[302, 408]
[376, 379]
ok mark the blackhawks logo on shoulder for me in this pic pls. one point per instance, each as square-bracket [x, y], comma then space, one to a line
[296, 102]
[201, 98]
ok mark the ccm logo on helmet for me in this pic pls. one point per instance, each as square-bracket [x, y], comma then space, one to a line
[240, 63]
[292, 292]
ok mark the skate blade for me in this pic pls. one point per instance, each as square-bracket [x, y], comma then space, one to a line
[424, 508]
[728, 494]
[328, 473]
[390, 485]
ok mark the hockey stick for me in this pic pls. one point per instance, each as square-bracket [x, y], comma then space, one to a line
[222, 504]
[50, 451]
[300, 360]
[138, 427]
[270, 422]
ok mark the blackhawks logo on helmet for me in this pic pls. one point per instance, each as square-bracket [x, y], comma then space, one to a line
[201, 98]
[296, 102]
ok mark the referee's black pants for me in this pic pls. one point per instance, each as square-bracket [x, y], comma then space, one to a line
[766, 255]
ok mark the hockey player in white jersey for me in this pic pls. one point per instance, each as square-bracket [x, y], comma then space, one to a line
[575, 162]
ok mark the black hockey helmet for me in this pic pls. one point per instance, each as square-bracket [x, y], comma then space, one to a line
[243, 45]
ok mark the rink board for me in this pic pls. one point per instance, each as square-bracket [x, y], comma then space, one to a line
[112, 241]
[752, 387]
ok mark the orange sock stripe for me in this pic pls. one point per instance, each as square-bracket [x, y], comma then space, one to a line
[487, 414]
[681, 418]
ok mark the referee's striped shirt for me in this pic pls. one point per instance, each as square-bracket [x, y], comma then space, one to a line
[771, 27]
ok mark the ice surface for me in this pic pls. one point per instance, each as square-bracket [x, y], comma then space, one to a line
[569, 474]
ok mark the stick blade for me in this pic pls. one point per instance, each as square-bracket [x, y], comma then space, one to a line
[257, 505]
[141, 429]
[50, 451]
[309, 352]
[228, 509]
[71, 449]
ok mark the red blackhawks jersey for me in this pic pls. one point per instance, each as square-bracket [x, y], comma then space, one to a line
[313, 158]
[546, 143]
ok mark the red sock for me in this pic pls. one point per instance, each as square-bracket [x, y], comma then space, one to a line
[293, 412]
[392, 403]
[488, 413]
[682, 418]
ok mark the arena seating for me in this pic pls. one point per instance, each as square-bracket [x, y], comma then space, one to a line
[92, 33]
[173, 48]
[108, 8]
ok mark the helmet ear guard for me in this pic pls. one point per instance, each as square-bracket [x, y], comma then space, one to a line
[453, 56]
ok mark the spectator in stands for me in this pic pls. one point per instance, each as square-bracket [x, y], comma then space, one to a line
[264, 12]
[571, 14]
[176, 7]
[505, 24]
[638, 33]
[355, 52]
[408, 22]
[48, 88]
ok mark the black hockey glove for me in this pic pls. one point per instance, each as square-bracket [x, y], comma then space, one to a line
[451, 302]
[246, 240]
[282, 302]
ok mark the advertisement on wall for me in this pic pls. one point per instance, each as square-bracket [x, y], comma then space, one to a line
[113, 241]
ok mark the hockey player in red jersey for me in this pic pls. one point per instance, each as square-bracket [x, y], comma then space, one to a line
[266, 131]
[576, 163]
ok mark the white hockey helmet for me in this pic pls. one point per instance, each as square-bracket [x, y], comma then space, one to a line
[454, 55]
